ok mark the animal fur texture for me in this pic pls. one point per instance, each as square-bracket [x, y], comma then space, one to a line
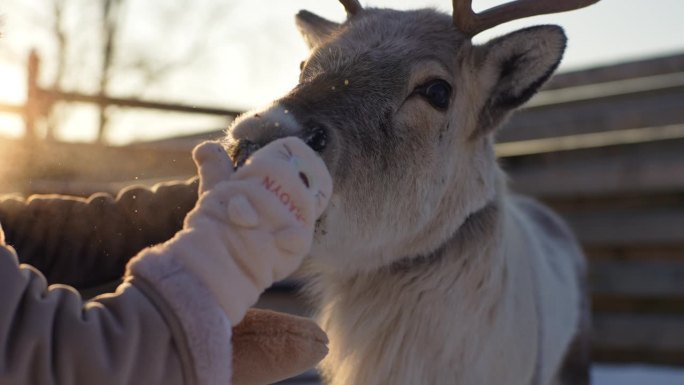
[426, 268]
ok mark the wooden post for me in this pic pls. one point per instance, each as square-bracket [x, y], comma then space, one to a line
[33, 102]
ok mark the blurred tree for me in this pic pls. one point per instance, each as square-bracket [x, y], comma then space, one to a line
[58, 113]
[120, 47]
[111, 22]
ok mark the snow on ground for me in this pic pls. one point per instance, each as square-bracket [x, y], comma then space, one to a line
[636, 375]
[601, 375]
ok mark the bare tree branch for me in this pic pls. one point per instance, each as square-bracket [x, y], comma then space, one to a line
[94, 51]
[58, 113]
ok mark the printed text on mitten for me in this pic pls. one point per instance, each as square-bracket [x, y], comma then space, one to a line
[284, 198]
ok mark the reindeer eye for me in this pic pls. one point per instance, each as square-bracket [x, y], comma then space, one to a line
[437, 92]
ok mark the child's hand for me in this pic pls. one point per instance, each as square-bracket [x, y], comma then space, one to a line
[213, 165]
[259, 220]
[298, 188]
[275, 198]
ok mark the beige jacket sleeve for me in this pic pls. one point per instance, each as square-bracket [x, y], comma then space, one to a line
[48, 335]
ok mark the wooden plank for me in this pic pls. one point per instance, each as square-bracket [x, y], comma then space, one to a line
[637, 356]
[628, 70]
[628, 227]
[137, 103]
[653, 108]
[591, 140]
[605, 90]
[655, 253]
[637, 278]
[632, 305]
[12, 108]
[650, 167]
[651, 338]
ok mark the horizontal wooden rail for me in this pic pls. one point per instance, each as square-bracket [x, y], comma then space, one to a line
[657, 253]
[620, 88]
[11, 108]
[640, 279]
[627, 227]
[651, 338]
[634, 168]
[657, 106]
[591, 140]
[638, 304]
[136, 103]
[620, 71]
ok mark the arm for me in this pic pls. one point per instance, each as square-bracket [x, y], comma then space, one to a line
[169, 321]
[56, 233]
[49, 336]
[247, 232]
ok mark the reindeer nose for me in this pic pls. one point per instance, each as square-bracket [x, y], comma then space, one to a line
[243, 150]
[254, 130]
[266, 125]
[317, 139]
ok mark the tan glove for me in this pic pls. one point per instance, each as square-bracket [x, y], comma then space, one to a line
[269, 347]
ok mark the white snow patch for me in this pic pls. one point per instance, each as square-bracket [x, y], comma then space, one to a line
[636, 375]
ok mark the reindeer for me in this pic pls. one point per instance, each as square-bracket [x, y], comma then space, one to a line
[426, 268]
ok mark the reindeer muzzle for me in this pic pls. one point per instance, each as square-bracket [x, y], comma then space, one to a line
[255, 130]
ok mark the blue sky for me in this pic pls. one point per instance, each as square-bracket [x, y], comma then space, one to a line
[259, 60]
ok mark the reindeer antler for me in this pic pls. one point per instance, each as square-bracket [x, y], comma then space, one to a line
[352, 6]
[471, 23]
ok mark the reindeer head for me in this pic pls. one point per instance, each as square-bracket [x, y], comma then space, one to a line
[403, 108]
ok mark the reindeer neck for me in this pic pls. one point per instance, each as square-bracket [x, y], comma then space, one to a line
[437, 307]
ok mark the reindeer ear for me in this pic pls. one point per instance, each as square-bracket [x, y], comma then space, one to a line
[515, 66]
[314, 28]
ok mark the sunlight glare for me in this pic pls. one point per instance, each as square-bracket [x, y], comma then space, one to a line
[12, 85]
[13, 92]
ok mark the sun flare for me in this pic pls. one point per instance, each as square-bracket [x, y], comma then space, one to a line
[12, 85]
[12, 93]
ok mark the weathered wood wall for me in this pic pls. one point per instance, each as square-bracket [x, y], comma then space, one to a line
[605, 148]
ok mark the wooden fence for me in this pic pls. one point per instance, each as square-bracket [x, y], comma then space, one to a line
[40, 101]
[604, 147]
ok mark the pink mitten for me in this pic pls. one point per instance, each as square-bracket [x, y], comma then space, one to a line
[253, 227]
[213, 165]
[298, 183]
